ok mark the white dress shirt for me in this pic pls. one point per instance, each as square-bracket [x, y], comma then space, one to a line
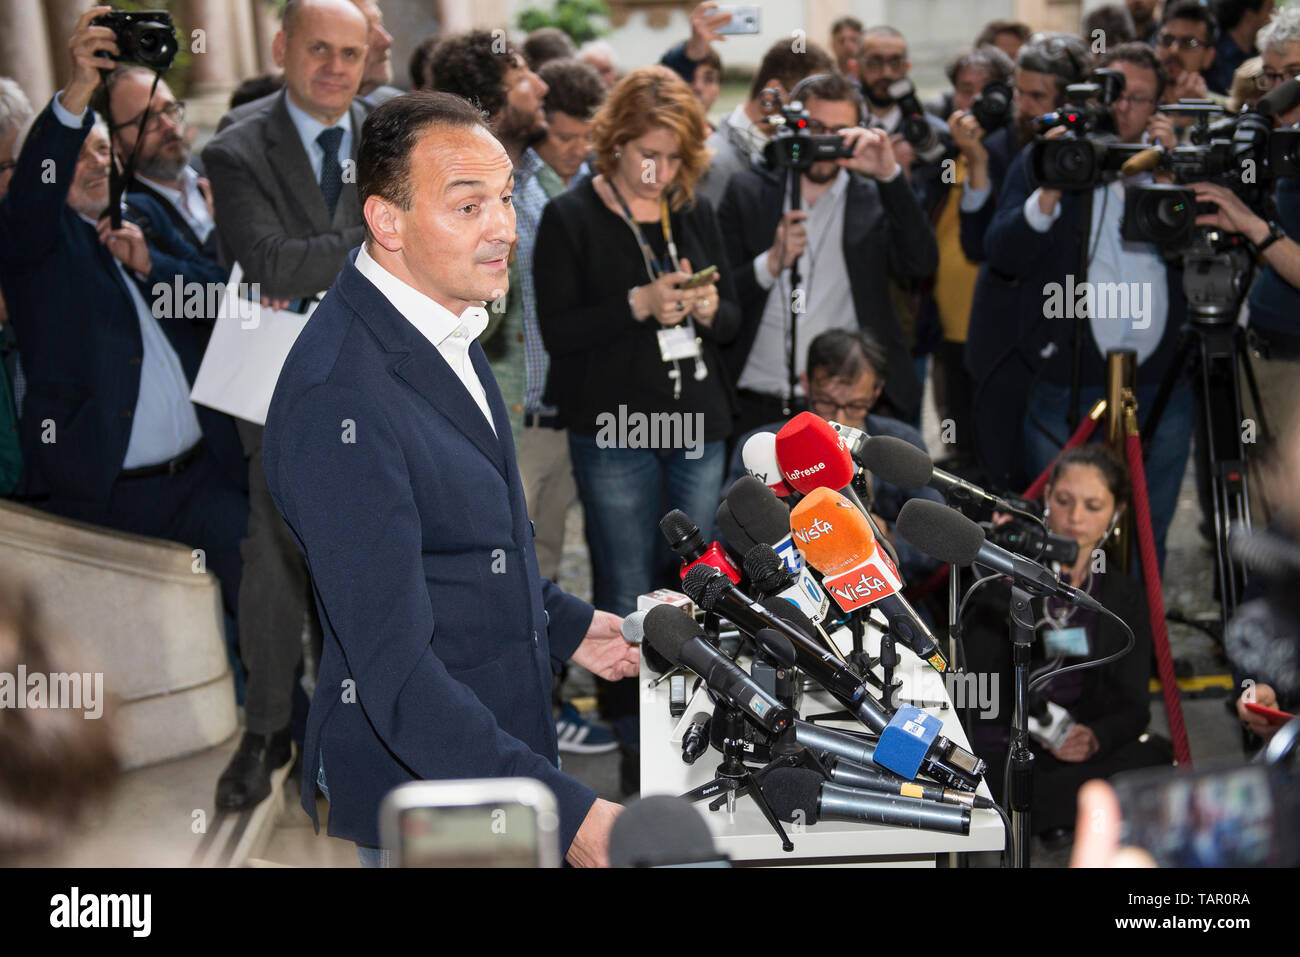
[187, 200]
[450, 334]
[309, 128]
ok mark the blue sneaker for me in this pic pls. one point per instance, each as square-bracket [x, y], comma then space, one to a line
[577, 735]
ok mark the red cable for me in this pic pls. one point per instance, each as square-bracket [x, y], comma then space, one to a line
[1156, 601]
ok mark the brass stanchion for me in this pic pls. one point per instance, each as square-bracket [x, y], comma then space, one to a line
[1121, 401]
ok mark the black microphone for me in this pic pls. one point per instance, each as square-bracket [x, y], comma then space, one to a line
[802, 795]
[685, 539]
[949, 536]
[903, 464]
[662, 831]
[851, 775]
[1283, 97]
[676, 636]
[696, 739]
[764, 519]
[772, 579]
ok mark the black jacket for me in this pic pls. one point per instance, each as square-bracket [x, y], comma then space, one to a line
[885, 231]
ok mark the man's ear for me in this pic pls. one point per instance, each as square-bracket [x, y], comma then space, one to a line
[386, 222]
[803, 381]
[278, 43]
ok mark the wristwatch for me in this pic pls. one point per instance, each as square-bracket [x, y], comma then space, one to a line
[1274, 234]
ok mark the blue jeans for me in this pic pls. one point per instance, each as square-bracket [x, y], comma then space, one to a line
[624, 493]
[369, 856]
[1165, 464]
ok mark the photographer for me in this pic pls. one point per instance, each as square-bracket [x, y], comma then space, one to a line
[859, 220]
[1051, 241]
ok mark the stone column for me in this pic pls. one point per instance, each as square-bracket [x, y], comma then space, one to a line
[26, 51]
[265, 26]
[60, 20]
[215, 69]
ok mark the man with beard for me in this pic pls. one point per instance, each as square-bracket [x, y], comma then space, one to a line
[491, 73]
[162, 157]
[882, 62]
[859, 221]
[1185, 47]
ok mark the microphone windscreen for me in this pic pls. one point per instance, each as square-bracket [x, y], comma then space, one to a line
[790, 613]
[939, 531]
[1280, 99]
[812, 455]
[777, 645]
[897, 462]
[766, 570]
[677, 528]
[793, 790]
[830, 531]
[759, 458]
[704, 585]
[1143, 161]
[758, 511]
[668, 628]
[633, 627]
[737, 539]
[657, 831]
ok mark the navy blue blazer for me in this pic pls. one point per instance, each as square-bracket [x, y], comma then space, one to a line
[440, 635]
[77, 327]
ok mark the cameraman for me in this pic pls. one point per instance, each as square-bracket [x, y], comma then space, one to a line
[1038, 237]
[860, 220]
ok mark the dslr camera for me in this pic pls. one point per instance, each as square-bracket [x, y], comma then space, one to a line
[992, 108]
[146, 37]
[915, 126]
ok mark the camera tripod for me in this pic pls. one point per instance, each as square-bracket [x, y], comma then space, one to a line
[1216, 276]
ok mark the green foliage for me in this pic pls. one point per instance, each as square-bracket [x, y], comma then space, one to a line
[571, 16]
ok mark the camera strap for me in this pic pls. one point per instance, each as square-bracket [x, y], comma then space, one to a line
[118, 180]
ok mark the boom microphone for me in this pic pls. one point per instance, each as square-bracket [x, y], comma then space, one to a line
[903, 464]
[1283, 97]
[949, 536]
[801, 794]
[676, 636]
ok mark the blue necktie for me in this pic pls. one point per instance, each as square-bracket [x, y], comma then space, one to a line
[331, 173]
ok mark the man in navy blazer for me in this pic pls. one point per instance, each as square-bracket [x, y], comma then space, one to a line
[108, 433]
[388, 451]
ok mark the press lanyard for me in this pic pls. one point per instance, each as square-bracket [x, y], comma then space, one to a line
[655, 266]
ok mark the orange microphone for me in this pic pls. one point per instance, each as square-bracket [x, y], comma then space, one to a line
[836, 540]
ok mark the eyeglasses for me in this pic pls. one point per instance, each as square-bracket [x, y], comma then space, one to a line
[1132, 100]
[174, 111]
[828, 408]
[877, 63]
[1181, 43]
[1269, 79]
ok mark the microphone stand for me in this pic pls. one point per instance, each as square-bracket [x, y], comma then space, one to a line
[795, 187]
[1020, 793]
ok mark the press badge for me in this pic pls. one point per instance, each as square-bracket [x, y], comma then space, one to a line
[679, 342]
[1071, 642]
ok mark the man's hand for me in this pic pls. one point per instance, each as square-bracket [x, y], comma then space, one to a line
[127, 245]
[1232, 215]
[790, 242]
[1265, 697]
[605, 652]
[873, 153]
[1190, 85]
[1079, 745]
[904, 154]
[705, 20]
[1097, 831]
[590, 847]
[1160, 130]
[86, 41]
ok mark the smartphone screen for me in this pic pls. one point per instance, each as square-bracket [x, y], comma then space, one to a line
[481, 835]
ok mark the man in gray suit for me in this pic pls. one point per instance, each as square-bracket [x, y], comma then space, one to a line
[284, 186]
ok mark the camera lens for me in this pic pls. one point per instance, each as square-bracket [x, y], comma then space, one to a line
[1073, 159]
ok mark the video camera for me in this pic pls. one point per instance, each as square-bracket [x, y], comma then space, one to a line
[1090, 152]
[792, 146]
[147, 37]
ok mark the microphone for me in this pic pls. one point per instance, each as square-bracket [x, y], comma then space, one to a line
[860, 776]
[685, 539]
[769, 575]
[1280, 99]
[633, 627]
[839, 545]
[676, 636]
[949, 536]
[802, 795]
[696, 739]
[662, 831]
[903, 464]
[759, 458]
[764, 518]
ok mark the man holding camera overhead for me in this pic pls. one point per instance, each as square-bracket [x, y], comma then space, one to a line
[1038, 237]
[859, 221]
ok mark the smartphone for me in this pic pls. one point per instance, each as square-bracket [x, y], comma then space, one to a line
[700, 278]
[490, 822]
[744, 19]
[1247, 815]
[1273, 715]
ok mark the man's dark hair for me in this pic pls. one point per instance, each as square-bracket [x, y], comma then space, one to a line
[1197, 12]
[473, 65]
[101, 98]
[1062, 55]
[391, 132]
[846, 23]
[783, 64]
[835, 87]
[572, 87]
[844, 354]
[710, 58]
[987, 59]
[545, 44]
[418, 66]
[1229, 13]
[255, 88]
[1138, 54]
[995, 27]
[1115, 23]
